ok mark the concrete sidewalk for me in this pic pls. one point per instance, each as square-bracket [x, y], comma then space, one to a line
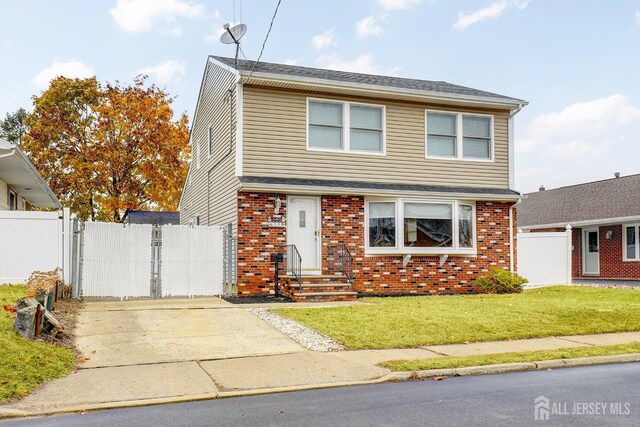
[134, 385]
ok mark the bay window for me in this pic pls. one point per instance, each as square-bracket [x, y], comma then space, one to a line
[345, 126]
[420, 227]
[459, 136]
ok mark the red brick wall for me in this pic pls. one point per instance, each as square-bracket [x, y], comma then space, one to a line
[257, 241]
[611, 264]
[343, 223]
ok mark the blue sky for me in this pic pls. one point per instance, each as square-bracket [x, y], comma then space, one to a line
[576, 62]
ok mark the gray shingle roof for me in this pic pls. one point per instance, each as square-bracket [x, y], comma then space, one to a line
[369, 79]
[152, 217]
[592, 201]
[374, 185]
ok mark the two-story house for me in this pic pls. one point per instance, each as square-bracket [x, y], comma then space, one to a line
[384, 185]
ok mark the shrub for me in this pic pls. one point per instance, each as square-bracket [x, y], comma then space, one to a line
[42, 282]
[499, 281]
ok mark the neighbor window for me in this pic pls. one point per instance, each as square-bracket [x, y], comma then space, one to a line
[424, 227]
[459, 136]
[344, 126]
[631, 242]
[13, 201]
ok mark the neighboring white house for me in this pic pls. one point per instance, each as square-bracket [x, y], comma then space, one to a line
[21, 186]
[29, 241]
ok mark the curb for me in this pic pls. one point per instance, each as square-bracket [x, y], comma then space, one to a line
[525, 366]
[390, 377]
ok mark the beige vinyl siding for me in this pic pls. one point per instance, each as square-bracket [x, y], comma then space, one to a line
[4, 196]
[211, 190]
[274, 144]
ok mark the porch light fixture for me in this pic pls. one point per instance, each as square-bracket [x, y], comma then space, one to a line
[609, 234]
[278, 205]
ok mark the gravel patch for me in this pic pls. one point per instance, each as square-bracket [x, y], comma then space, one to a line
[303, 335]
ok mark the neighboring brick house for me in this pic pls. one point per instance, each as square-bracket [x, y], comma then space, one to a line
[605, 220]
[382, 185]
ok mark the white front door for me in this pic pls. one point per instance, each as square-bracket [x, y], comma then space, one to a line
[303, 230]
[591, 251]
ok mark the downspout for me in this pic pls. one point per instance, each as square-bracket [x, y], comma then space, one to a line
[511, 250]
[511, 144]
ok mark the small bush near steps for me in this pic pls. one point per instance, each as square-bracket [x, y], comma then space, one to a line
[499, 281]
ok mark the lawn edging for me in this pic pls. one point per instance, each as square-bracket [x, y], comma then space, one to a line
[515, 367]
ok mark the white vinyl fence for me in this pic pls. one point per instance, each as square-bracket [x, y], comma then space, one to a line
[192, 261]
[31, 241]
[545, 258]
[133, 261]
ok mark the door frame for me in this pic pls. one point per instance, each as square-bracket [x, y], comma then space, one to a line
[585, 244]
[319, 223]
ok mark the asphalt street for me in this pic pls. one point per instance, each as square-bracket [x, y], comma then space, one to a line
[597, 395]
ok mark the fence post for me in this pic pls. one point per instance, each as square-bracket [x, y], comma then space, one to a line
[569, 253]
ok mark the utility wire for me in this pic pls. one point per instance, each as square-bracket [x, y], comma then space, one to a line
[275, 13]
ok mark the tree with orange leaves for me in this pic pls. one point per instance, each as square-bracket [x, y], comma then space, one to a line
[104, 150]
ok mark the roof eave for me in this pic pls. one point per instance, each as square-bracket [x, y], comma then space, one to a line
[511, 103]
[585, 223]
[325, 190]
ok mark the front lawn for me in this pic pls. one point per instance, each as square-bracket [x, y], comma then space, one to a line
[405, 322]
[528, 356]
[25, 364]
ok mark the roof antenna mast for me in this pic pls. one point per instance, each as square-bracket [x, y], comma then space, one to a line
[232, 35]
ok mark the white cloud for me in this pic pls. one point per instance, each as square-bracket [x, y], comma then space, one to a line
[72, 68]
[166, 72]
[369, 26]
[390, 5]
[324, 40]
[139, 16]
[493, 11]
[638, 16]
[291, 61]
[361, 64]
[582, 142]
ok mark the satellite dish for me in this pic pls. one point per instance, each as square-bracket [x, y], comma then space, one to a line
[233, 34]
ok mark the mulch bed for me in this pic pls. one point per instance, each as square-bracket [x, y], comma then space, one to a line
[66, 312]
[258, 299]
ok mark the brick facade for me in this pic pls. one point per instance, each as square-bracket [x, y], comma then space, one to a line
[343, 223]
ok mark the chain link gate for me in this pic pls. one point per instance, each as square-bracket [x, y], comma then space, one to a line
[129, 261]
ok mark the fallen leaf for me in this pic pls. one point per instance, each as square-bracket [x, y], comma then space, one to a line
[437, 378]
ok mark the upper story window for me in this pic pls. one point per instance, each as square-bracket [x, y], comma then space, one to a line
[421, 227]
[345, 126]
[459, 136]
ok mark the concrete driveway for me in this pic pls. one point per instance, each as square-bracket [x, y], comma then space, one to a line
[122, 333]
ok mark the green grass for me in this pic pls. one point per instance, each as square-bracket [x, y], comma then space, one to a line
[25, 364]
[528, 356]
[406, 322]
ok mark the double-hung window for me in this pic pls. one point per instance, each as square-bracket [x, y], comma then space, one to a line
[631, 242]
[459, 136]
[345, 126]
[420, 227]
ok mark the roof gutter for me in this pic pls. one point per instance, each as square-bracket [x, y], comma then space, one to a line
[318, 190]
[586, 223]
[16, 151]
[332, 84]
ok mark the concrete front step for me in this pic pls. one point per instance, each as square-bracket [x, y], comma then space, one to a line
[324, 296]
